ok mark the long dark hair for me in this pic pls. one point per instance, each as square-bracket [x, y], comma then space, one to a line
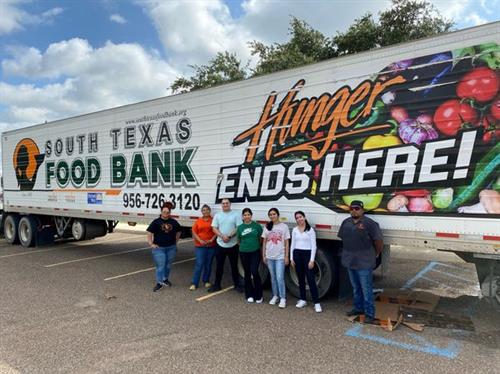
[269, 225]
[308, 226]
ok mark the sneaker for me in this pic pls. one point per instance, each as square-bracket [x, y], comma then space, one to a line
[192, 287]
[157, 287]
[369, 320]
[208, 284]
[282, 304]
[274, 300]
[214, 289]
[260, 301]
[301, 304]
[239, 289]
[317, 308]
[167, 283]
[353, 312]
[250, 300]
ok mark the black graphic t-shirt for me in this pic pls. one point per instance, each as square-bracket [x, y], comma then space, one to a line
[164, 231]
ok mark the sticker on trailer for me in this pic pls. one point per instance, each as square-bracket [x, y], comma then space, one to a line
[94, 198]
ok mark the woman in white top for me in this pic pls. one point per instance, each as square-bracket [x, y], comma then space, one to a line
[275, 254]
[303, 252]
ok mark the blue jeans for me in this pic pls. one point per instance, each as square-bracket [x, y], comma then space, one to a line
[204, 258]
[163, 258]
[277, 271]
[362, 288]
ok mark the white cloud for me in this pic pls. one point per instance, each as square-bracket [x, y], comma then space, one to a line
[14, 18]
[193, 32]
[88, 79]
[118, 19]
[475, 19]
[51, 13]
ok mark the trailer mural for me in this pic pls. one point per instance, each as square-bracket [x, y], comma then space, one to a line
[422, 136]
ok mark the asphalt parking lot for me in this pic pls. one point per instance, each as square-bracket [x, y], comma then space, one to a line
[87, 307]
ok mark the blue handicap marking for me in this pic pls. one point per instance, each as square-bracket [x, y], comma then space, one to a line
[422, 345]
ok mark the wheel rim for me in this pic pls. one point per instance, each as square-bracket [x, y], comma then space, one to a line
[9, 229]
[24, 232]
[77, 230]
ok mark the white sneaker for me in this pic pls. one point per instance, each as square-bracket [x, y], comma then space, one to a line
[274, 300]
[250, 300]
[301, 304]
[282, 304]
[260, 300]
[317, 308]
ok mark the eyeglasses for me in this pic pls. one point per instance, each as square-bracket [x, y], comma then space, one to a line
[354, 208]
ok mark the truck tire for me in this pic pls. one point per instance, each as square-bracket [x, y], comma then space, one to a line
[10, 228]
[79, 229]
[27, 230]
[324, 270]
[95, 228]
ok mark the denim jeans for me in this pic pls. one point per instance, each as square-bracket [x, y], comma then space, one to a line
[204, 258]
[163, 258]
[362, 288]
[277, 271]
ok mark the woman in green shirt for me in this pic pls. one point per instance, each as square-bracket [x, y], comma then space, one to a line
[249, 238]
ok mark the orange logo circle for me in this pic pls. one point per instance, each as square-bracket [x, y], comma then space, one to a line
[25, 158]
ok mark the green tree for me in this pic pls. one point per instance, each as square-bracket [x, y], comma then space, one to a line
[224, 68]
[305, 46]
[405, 20]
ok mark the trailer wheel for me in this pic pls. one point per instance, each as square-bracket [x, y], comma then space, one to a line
[10, 228]
[27, 229]
[95, 228]
[78, 229]
[324, 270]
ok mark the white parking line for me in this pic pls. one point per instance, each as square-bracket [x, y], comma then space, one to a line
[214, 294]
[145, 270]
[28, 252]
[96, 257]
[106, 255]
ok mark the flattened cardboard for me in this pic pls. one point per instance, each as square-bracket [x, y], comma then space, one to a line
[414, 299]
[384, 311]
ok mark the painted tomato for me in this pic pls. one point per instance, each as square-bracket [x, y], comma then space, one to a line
[451, 115]
[480, 84]
[495, 109]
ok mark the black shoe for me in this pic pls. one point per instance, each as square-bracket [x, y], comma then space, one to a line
[369, 320]
[214, 289]
[239, 289]
[167, 283]
[353, 313]
[157, 287]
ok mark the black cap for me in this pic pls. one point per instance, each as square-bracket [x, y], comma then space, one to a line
[357, 203]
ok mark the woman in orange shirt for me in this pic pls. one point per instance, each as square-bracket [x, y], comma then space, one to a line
[204, 241]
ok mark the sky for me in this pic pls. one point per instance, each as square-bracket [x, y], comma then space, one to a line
[63, 58]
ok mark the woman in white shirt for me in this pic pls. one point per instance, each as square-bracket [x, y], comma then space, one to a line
[303, 252]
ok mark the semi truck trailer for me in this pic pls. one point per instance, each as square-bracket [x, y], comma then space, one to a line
[412, 130]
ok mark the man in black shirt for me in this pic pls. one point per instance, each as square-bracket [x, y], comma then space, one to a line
[361, 244]
[163, 234]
